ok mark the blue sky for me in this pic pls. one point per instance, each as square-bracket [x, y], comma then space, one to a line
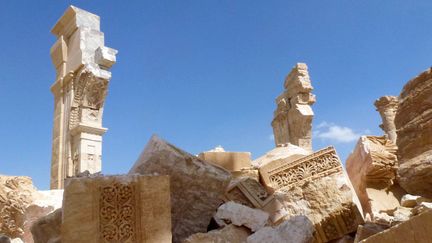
[206, 73]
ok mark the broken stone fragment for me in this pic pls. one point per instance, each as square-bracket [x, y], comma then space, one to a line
[241, 215]
[317, 187]
[48, 228]
[288, 152]
[409, 200]
[372, 169]
[417, 229]
[231, 161]
[127, 208]
[367, 230]
[228, 234]
[298, 229]
[197, 187]
[387, 107]
[421, 207]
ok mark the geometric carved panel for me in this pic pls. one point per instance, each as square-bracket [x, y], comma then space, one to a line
[281, 175]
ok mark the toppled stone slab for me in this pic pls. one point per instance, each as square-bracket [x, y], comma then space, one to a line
[417, 229]
[298, 229]
[231, 161]
[317, 187]
[414, 131]
[372, 170]
[16, 193]
[48, 228]
[44, 203]
[197, 187]
[287, 152]
[241, 215]
[129, 208]
[367, 230]
[227, 234]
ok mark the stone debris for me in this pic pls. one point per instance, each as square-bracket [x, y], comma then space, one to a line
[414, 130]
[287, 152]
[372, 170]
[82, 64]
[415, 230]
[241, 215]
[387, 107]
[292, 122]
[409, 200]
[231, 161]
[367, 230]
[228, 234]
[128, 208]
[297, 229]
[197, 187]
[48, 228]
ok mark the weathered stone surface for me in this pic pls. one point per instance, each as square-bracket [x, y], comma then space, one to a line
[241, 215]
[129, 208]
[417, 229]
[345, 239]
[44, 203]
[48, 228]
[228, 234]
[372, 170]
[16, 193]
[292, 122]
[82, 62]
[421, 207]
[317, 187]
[367, 230]
[414, 130]
[287, 153]
[298, 229]
[232, 161]
[409, 200]
[197, 187]
[387, 107]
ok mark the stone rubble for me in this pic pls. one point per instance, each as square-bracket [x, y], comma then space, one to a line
[241, 215]
[228, 234]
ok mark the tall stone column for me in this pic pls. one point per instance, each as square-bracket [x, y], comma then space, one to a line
[82, 65]
[387, 107]
[292, 122]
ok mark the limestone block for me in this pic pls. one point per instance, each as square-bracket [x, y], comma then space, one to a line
[246, 172]
[44, 203]
[417, 229]
[409, 200]
[367, 230]
[387, 107]
[228, 234]
[288, 152]
[372, 169]
[197, 187]
[74, 18]
[16, 193]
[298, 229]
[251, 193]
[241, 215]
[232, 161]
[48, 228]
[129, 208]
[414, 131]
[316, 186]
[105, 56]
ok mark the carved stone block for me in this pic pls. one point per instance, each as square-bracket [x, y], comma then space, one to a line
[117, 209]
[232, 161]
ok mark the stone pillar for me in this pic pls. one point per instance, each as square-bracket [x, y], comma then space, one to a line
[387, 107]
[82, 65]
[292, 122]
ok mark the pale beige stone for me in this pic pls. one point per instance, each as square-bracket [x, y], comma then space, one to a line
[387, 107]
[197, 187]
[241, 215]
[16, 193]
[82, 63]
[316, 186]
[415, 230]
[232, 161]
[372, 170]
[228, 234]
[367, 230]
[287, 152]
[292, 122]
[298, 229]
[129, 208]
[47, 229]
[414, 130]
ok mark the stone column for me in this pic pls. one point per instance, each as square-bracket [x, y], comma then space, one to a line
[387, 107]
[292, 122]
[82, 65]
